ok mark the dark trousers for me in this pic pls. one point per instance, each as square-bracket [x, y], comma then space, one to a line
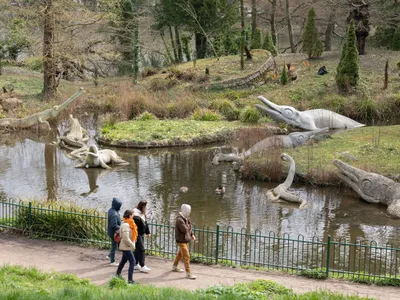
[140, 251]
[114, 246]
[127, 256]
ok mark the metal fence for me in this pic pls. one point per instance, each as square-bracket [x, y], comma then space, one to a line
[364, 260]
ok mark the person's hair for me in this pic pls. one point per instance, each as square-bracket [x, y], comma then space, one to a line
[128, 213]
[142, 205]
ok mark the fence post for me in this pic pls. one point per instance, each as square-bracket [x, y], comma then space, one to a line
[217, 245]
[29, 216]
[328, 255]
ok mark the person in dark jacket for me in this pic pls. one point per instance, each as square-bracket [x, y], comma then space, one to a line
[139, 216]
[114, 222]
[183, 235]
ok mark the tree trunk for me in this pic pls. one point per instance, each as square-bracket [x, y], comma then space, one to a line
[253, 18]
[289, 24]
[136, 50]
[242, 36]
[49, 66]
[329, 29]
[178, 44]
[272, 23]
[173, 44]
[201, 45]
[50, 158]
[169, 56]
[385, 82]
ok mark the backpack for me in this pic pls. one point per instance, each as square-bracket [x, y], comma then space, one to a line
[117, 237]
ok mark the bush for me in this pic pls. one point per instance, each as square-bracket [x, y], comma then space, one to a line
[145, 116]
[226, 108]
[269, 45]
[256, 40]
[149, 71]
[383, 37]
[396, 40]
[347, 72]
[202, 114]
[160, 84]
[284, 75]
[313, 273]
[250, 115]
[34, 63]
[319, 48]
[310, 35]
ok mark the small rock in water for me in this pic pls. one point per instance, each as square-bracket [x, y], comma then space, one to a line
[184, 189]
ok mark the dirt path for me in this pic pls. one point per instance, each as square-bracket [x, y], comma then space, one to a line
[91, 263]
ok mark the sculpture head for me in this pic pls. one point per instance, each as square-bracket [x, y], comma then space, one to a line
[300, 138]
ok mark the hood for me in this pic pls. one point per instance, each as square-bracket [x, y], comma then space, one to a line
[185, 210]
[116, 203]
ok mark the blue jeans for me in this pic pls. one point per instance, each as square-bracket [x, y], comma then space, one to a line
[114, 246]
[127, 256]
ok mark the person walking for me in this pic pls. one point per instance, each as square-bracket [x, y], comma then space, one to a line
[139, 216]
[114, 222]
[183, 235]
[129, 235]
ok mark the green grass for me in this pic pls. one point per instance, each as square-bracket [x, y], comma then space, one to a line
[29, 283]
[164, 131]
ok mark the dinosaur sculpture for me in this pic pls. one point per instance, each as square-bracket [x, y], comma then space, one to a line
[307, 120]
[76, 135]
[100, 158]
[38, 118]
[291, 140]
[371, 187]
[282, 190]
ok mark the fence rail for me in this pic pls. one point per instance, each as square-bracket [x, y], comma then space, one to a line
[217, 245]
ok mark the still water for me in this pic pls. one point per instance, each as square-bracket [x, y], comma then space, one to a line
[30, 167]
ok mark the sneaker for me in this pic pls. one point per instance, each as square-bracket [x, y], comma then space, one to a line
[144, 269]
[108, 257]
[113, 264]
[190, 276]
[176, 269]
[137, 267]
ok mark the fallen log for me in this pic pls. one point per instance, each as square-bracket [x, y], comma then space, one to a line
[38, 118]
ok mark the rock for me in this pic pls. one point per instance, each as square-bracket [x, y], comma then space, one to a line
[11, 103]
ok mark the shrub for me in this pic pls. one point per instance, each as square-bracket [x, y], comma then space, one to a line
[347, 72]
[383, 36]
[319, 48]
[269, 45]
[226, 108]
[160, 84]
[284, 75]
[145, 116]
[34, 63]
[149, 71]
[256, 39]
[313, 273]
[250, 115]
[186, 47]
[202, 114]
[310, 35]
[396, 40]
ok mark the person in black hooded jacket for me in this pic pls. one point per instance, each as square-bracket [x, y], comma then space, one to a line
[114, 222]
[139, 216]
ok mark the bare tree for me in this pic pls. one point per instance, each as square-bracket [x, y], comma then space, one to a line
[253, 18]
[289, 25]
[272, 22]
[49, 67]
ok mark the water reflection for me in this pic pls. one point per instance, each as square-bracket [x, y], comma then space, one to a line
[32, 167]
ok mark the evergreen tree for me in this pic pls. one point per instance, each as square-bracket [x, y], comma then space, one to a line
[186, 47]
[319, 48]
[269, 45]
[396, 40]
[284, 75]
[347, 72]
[310, 35]
[256, 42]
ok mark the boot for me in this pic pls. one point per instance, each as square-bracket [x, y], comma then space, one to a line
[189, 275]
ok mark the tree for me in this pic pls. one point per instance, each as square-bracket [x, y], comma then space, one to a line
[253, 18]
[310, 36]
[272, 22]
[289, 24]
[256, 42]
[396, 40]
[242, 35]
[269, 45]
[347, 72]
[17, 38]
[49, 65]
[284, 75]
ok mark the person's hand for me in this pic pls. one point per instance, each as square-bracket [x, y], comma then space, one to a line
[193, 238]
[148, 235]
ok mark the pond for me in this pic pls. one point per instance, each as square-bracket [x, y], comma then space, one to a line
[32, 167]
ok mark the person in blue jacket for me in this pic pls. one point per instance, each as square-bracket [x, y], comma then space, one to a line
[114, 222]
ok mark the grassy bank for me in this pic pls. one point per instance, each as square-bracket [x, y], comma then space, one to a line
[22, 283]
[373, 149]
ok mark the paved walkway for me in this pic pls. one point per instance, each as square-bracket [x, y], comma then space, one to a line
[91, 263]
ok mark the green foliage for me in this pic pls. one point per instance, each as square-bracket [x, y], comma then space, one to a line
[383, 36]
[250, 115]
[202, 114]
[226, 108]
[231, 42]
[269, 45]
[396, 40]
[310, 35]
[313, 273]
[256, 42]
[17, 38]
[145, 116]
[117, 282]
[347, 72]
[319, 48]
[186, 47]
[34, 63]
[284, 75]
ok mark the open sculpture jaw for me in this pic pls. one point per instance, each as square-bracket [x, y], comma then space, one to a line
[307, 120]
[371, 187]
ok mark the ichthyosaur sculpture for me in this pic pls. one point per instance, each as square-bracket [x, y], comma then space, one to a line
[282, 190]
[292, 140]
[76, 136]
[307, 120]
[100, 158]
[371, 187]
